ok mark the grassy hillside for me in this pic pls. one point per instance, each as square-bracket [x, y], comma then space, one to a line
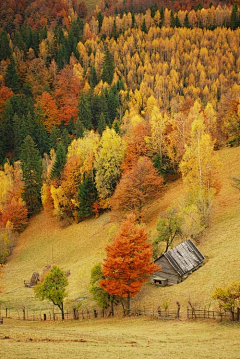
[80, 246]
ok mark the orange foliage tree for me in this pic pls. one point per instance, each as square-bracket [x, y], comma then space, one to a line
[15, 213]
[136, 145]
[48, 111]
[13, 210]
[136, 187]
[67, 91]
[128, 263]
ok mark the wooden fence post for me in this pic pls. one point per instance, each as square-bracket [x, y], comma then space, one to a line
[178, 310]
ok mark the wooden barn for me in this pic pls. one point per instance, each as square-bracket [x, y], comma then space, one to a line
[177, 264]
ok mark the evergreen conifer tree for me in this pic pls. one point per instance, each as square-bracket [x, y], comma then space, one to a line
[101, 124]
[87, 195]
[172, 21]
[5, 51]
[186, 21]
[79, 129]
[108, 67]
[93, 77]
[11, 77]
[234, 17]
[85, 113]
[32, 170]
[59, 161]
[143, 27]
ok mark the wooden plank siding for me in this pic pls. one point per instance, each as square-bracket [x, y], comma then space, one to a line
[167, 271]
[178, 263]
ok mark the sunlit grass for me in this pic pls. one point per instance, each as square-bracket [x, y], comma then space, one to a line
[119, 338]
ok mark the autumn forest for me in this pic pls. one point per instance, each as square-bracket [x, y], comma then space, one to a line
[101, 110]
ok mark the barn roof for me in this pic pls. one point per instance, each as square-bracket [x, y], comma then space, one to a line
[184, 258]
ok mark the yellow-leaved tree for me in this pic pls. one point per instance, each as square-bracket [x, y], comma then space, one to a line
[108, 160]
[197, 167]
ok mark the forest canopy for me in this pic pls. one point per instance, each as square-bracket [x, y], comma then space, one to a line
[91, 94]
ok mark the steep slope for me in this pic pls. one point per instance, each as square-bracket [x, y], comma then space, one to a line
[80, 246]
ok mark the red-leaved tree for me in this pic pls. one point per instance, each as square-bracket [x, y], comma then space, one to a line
[128, 263]
[136, 187]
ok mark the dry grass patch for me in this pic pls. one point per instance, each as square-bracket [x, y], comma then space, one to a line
[122, 338]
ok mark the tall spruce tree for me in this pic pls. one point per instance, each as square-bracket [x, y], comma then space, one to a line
[101, 124]
[234, 21]
[108, 67]
[59, 161]
[85, 113]
[11, 77]
[87, 195]
[32, 170]
[5, 51]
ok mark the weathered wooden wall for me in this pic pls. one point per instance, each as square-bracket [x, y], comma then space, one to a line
[167, 271]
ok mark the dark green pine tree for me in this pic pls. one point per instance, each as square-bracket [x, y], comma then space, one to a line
[143, 27]
[100, 20]
[60, 161]
[98, 106]
[20, 133]
[113, 104]
[18, 41]
[101, 124]
[234, 21]
[186, 21]
[133, 19]
[21, 106]
[172, 19]
[41, 136]
[87, 195]
[114, 33]
[65, 138]
[11, 77]
[70, 127]
[27, 91]
[116, 127]
[108, 67]
[31, 164]
[5, 51]
[79, 129]
[154, 9]
[8, 114]
[177, 22]
[23, 126]
[62, 57]
[93, 80]
[54, 137]
[84, 111]
[34, 36]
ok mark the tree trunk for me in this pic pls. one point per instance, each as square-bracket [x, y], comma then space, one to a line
[112, 307]
[62, 311]
[238, 314]
[128, 304]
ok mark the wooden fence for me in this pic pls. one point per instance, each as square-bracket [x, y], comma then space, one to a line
[205, 314]
[23, 313]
